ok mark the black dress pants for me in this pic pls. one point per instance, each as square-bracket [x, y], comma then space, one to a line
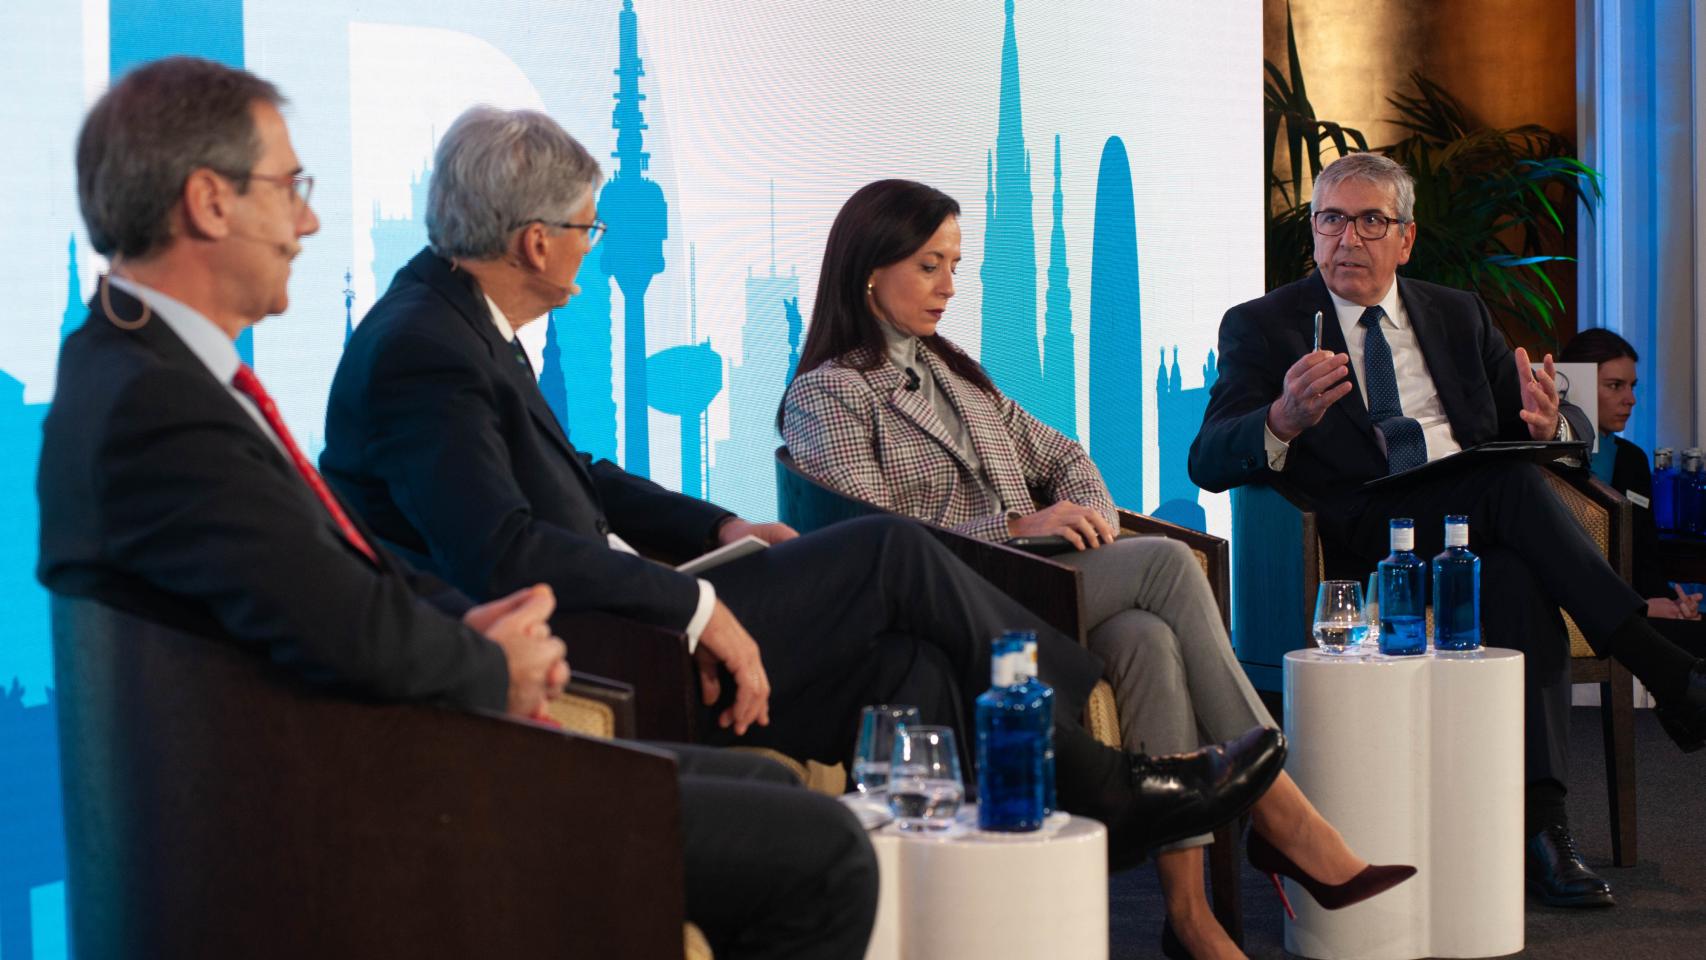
[1535, 558]
[773, 870]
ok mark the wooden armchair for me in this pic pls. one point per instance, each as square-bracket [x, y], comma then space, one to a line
[216, 807]
[1054, 592]
[1278, 564]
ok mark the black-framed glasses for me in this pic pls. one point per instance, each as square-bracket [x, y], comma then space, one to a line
[594, 230]
[300, 186]
[1369, 226]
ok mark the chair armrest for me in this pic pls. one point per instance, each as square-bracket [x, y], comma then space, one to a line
[1593, 503]
[1046, 588]
[595, 706]
[653, 661]
[1212, 552]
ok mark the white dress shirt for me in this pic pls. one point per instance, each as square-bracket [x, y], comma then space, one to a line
[707, 593]
[1416, 392]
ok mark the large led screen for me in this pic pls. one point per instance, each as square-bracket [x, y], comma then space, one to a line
[1107, 154]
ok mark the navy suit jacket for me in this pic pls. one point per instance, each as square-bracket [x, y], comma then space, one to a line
[1471, 365]
[438, 434]
[161, 496]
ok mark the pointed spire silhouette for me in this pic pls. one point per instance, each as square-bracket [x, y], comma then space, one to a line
[349, 305]
[76, 311]
[1010, 350]
[1060, 357]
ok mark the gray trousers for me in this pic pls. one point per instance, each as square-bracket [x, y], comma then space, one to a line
[1154, 621]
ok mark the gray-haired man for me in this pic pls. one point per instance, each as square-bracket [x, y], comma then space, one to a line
[1407, 372]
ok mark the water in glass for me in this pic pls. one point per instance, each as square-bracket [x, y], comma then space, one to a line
[877, 726]
[925, 788]
[1340, 624]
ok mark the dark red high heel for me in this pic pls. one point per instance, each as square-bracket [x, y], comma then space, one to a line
[1373, 880]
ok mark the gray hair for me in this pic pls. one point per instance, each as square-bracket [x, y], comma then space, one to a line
[1375, 168]
[148, 133]
[498, 170]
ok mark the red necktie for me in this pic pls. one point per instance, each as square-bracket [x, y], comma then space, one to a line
[250, 386]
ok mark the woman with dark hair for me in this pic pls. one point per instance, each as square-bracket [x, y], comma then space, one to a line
[886, 409]
[1624, 466]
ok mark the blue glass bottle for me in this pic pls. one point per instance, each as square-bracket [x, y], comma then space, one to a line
[1010, 745]
[1403, 601]
[1666, 480]
[1691, 494]
[1028, 679]
[1457, 590]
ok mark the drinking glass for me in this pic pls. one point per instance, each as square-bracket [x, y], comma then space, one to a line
[877, 725]
[1339, 621]
[1371, 614]
[925, 788]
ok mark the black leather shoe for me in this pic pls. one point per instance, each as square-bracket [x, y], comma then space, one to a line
[1684, 719]
[1187, 794]
[1557, 874]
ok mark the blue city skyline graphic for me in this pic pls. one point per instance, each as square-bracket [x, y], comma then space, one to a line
[1038, 368]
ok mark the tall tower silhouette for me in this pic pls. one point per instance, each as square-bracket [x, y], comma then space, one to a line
[1060, 377]
[1116, 331]
[76, 311]
[769, 353]
[1009, 269]
[638, 215]
[349, 305]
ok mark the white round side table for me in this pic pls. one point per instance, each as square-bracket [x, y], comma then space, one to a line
[1415, 760]
[964, 894]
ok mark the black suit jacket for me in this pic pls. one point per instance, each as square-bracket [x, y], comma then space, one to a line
[439, 436]
[160, 495]
[1471, 366]
[1631, 473]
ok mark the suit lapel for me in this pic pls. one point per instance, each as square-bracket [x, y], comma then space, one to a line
[1419, 308]
[460, 290]
[989, 437]
[1351, 406]
[159, 338]
[887, 380]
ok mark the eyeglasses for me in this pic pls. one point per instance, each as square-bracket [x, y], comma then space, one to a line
[594, 230]
[1370, 226]
[300, 187]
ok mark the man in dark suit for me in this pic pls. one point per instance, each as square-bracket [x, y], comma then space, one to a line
[1406, 372]
[171, 488]
[438, 434]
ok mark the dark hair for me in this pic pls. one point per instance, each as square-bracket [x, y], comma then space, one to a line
[883, 223]
[148, 133]
[1596, 346]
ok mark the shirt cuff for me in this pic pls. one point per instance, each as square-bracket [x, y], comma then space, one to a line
[701, 615]
[1276, 449]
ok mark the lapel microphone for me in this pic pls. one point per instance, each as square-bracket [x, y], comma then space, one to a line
[912, 380]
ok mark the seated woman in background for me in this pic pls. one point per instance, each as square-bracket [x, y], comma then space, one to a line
[1626, 468]
[885, 409]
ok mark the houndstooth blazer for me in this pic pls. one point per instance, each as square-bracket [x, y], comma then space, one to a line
[864, 434]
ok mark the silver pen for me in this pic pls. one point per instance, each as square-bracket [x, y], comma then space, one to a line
[1317, 330]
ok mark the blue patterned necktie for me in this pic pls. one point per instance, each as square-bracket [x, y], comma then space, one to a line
[1405, 448]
